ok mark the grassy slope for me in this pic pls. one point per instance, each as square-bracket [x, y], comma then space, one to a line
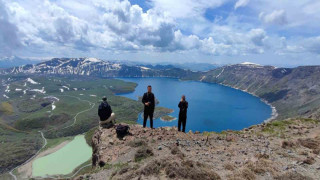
[16, 147]
[21, 114]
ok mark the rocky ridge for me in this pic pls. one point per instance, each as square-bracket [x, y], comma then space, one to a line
[275, 150]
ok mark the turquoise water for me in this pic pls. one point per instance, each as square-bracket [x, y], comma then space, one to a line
[63, 161]
[212, 107]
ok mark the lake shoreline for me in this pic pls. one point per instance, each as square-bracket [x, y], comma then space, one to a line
[274, 113]
[26, 169]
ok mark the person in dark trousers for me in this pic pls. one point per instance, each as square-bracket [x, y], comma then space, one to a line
[148, 101]
[105, 113]
[183, 105]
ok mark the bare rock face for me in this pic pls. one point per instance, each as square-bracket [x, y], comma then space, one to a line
[164, 153]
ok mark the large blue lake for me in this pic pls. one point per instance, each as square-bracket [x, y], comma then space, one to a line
[212, 107]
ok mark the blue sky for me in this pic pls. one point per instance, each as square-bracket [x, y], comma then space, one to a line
[282, 32]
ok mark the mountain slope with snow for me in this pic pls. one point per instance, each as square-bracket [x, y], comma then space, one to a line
[95, 67]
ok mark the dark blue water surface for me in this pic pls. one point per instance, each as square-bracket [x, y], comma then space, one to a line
[212, 107]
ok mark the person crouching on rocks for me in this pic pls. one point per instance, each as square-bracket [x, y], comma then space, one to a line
[107, 117]
[183, 105]
[148, 101]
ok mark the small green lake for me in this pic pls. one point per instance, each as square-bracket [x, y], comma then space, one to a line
[63, 161]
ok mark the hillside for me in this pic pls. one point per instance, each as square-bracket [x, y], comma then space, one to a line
[278, 150]
[292, 91]
[58, 107]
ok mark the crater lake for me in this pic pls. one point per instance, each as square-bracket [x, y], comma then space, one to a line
[212, 107]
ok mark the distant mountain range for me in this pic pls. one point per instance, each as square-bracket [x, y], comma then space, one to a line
[187, 66]
[97, 67]
[13, 61]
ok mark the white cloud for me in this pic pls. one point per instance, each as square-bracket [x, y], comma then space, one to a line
[277, 17]
[9, 38]
[313, 45]
[114, 28]
[241, 3]
[257, 36]
[186, 8]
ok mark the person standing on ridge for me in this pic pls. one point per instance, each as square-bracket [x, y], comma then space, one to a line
[148, 101]
[183, 105]
[107, 117]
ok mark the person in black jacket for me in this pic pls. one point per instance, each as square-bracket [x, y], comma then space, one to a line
[105, 113]
[183, 105]
[148, 101]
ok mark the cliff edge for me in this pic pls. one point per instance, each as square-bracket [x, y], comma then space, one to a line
[276, 150]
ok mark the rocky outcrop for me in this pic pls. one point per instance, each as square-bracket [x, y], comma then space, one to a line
[274, 150]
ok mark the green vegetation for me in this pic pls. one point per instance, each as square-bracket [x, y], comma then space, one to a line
[137, 143]
[17, 147]
[89, 134]
[32, 105]
[142, 153]
[6, 108]
[276, 127]
[307, 120]
[161, 111]
[167, 118]
[274, 96]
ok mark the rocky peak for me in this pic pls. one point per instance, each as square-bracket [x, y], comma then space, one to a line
[257, 152]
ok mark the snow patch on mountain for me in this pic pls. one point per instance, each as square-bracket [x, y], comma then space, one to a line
[144, 68]
[53, 106]
[70, 66]
[32, 81]
[53, 99]
[250, 63]
[94, 60]
[66, 87]
[42, 91]
[8, 89]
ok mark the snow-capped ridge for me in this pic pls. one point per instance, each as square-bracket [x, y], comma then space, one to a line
[250, 63]
[92, 60]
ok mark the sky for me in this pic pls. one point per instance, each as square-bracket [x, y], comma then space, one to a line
[273, 32]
